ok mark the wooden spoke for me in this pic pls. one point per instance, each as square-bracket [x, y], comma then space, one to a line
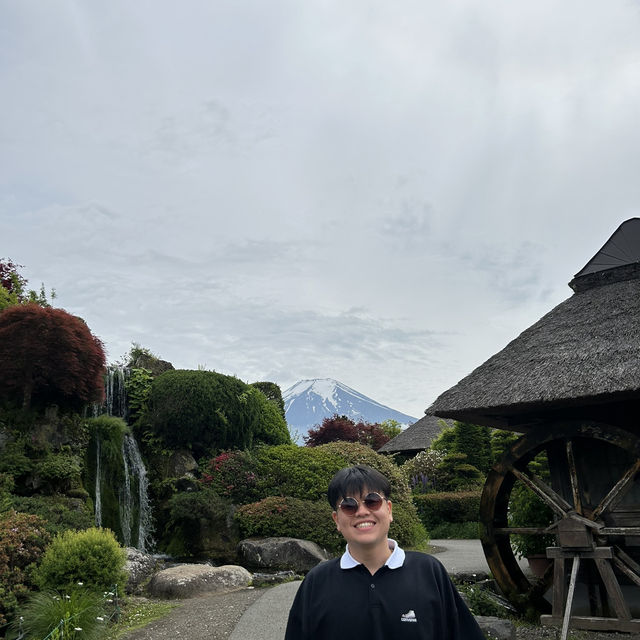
[535, 531]
[544, 491]
[573, 477]
[618, 491]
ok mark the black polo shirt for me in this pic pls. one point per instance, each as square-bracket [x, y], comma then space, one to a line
[415, 600]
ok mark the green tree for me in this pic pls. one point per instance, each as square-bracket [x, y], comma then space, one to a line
[13, 287]
[474, 441]
[391, 428]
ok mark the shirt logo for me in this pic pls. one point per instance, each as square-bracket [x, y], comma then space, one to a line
[410, 616]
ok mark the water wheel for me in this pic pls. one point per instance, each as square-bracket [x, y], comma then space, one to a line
[593, 492]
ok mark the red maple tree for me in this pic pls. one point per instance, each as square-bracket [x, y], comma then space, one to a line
[342, 428]
[48, 356]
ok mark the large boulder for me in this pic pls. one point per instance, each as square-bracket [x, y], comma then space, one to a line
[188, 580]
[139, 567]
[281, 553]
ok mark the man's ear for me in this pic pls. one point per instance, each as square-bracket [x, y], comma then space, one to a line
[390, 504]
[334, 515]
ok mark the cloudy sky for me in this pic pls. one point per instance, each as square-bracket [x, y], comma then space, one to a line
[385, 193]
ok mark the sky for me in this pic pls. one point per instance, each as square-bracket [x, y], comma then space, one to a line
[381, 193]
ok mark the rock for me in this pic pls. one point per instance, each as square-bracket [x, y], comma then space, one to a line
[281, 553]
[139, 567]
[497, 628]
[188, 580]
[181, 463]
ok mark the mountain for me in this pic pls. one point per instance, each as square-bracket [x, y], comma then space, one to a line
[308, 402]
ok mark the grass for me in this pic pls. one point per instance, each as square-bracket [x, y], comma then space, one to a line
[137, 613]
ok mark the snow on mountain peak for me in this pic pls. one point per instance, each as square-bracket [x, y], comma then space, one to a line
[308, 402]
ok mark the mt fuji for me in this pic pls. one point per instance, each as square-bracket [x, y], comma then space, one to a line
[308, 402]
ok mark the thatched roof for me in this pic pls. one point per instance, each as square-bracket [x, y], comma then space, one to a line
[416, 437]
[585, 352]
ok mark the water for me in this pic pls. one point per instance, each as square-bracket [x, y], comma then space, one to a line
[115, 402]
[98, 483]
[134, 504]
[135, 476]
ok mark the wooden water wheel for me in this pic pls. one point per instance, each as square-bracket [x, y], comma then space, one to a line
[593, 491]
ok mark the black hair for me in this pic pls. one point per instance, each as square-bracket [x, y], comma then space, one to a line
[353, 481]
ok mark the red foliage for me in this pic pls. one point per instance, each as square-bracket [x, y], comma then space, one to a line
[342, 428]
[48, 356]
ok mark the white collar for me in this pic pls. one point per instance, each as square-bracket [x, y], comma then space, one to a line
[394, 561]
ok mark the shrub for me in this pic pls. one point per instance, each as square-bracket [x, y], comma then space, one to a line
[232, 474]
[271, 427]
[60, 513]
[73, 615]
[204, 410]
[299, 472]
[23, 539]
[406, 527]
[352, 453]
[438, 508]
[273, 393]
[304, 473]
[285, 516]
[138, 387]
[192, 518]
[423, 472]
[456, 531]
[92, 556]
[14, 459]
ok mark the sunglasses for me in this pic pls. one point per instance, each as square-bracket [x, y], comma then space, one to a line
[372, 501]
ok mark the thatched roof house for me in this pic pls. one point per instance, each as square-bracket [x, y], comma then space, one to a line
[417, 437]
[582, 359]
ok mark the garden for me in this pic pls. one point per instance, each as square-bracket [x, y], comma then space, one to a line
[95, 458]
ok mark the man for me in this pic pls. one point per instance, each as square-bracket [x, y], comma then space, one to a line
[376, 591]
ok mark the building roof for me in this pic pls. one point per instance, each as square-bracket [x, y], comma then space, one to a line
[586, 351]
[416, 437]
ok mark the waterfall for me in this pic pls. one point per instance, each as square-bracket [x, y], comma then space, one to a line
[98, 504]
[115, 393]
[136, 477]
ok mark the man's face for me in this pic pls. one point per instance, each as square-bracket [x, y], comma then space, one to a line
[366, 528]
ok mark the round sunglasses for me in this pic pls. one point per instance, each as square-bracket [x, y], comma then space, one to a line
[372, 501]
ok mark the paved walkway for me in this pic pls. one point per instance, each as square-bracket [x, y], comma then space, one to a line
[266, 619]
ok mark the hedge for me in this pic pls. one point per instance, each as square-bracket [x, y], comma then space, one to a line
[439, 508]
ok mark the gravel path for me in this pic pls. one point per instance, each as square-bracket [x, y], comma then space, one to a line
[210, 617]
[214, 617]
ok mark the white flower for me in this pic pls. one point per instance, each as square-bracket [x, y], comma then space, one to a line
[99, 618]
[80, 584]
[77, 628]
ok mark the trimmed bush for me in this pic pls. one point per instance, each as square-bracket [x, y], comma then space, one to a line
[60, 513]
[298, 472]
[285, 516]
[353, 453]
[92, 556]
[438, 508]
[304, 473]
[204, 411]
[23, 539]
